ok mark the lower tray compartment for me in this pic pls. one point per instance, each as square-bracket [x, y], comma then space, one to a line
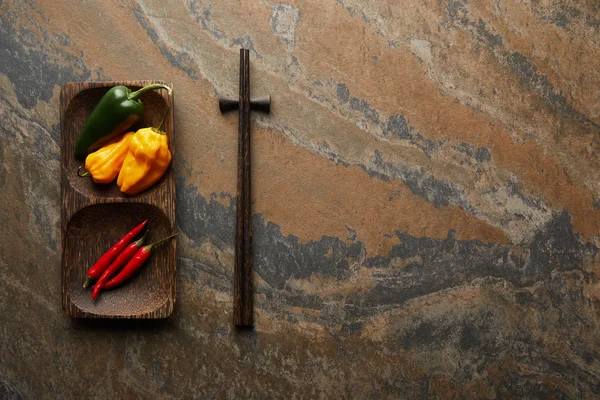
[92, 231]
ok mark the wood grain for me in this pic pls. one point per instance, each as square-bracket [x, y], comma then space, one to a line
[242, 282]
[94, 217]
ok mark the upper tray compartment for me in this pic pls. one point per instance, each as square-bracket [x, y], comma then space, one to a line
[80, 100]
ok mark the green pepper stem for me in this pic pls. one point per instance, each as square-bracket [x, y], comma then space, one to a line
[141, 240]
[150, 246]
[163, 120]
[87, 282]
[86, 173]
[135, 95]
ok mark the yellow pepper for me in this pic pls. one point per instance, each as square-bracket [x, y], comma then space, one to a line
[146, 162]
[104, 164]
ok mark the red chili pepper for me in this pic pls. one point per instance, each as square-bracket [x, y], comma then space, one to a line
[134, 264]
[125, 256]
[97, 269]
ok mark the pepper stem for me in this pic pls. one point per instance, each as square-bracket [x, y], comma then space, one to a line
[157, 129]
[151, 245]
[135, 95]
[140, 241]
[86, 173]
[87, 282]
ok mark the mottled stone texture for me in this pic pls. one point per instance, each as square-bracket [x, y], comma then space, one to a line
[427, 199]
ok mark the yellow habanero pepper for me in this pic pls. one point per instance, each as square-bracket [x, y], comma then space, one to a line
[104, 164]
[146, 162]
[160, 165]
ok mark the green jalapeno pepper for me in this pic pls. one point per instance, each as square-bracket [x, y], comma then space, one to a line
[116, 111]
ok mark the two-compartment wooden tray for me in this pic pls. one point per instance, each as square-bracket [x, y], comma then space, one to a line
[95, 216]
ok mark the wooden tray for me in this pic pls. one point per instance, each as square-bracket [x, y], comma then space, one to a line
[95, 216]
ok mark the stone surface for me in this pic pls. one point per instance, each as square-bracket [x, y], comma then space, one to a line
[427, 205]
